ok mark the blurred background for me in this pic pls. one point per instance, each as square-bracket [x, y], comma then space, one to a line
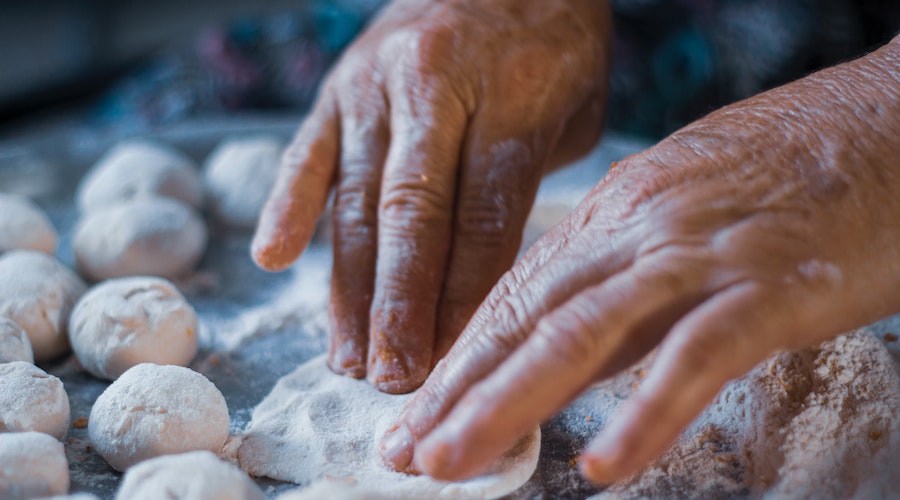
[137, 65]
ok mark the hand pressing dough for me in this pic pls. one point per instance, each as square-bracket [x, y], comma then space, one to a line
[149, 236]
[139, 169]
[239, 175]
[32, 465]
[317, 426]
[154, 410]
[198, 475]
[37, 292]
[24, 226]
[123, 322]
[14, 344]
[32, 400]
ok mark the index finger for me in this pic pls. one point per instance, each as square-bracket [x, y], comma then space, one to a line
[298, 198]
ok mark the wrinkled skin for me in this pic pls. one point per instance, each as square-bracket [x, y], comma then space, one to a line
[434, 130]
[771, 224]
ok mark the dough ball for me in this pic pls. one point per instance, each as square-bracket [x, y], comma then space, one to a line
[123, 322]
[150, 236]
[154, 410]
[239, 175]
[23, 225]
[32, 465]
[38, 292]
[198, 475]
[32, 400]
[14, 344]
[138, 169]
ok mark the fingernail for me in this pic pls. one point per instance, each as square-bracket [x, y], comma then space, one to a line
[345, 360]
[388, 374]
[397, 448]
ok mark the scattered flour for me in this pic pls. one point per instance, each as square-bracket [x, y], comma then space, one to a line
[154, 410]
[32, 400]
[123, 322]
[317, 427]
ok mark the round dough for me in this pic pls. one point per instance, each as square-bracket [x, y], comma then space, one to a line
[14, 344]
[154, 410]
[239, 175]
[38, 292]
[319, 427]
[24, 226]
[32, 400]
[32, 465]
[139, 169]
[198, 475]
[149, 236]
[123, 322]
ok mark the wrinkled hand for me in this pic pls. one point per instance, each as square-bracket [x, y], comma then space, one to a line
[434, 129]
[771, 224]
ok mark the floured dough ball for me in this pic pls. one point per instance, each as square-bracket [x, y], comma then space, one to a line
[198, 475]
[239, 175]
[150, 236]
[123, 322]
[138, 169]
[154, 410]
[14, 344]
[32, 400]
[32, 465]
[38, 292]
[23, 225]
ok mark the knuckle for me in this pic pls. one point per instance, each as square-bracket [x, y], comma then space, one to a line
[410, 205]
[355, 206]
[487, 221]
[512, 322]
[422, 51]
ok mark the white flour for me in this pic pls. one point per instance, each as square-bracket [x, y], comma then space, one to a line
[819, 423]
[318, 426]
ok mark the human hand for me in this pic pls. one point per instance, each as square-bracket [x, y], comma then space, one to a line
[771, 224]
[435, 129]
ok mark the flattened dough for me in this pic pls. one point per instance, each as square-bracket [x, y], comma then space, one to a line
[317, 427]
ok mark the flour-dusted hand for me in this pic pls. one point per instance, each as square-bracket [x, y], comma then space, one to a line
[771, 224]
[434, 130]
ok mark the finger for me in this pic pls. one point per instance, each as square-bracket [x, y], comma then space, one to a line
[721, 339]
[364, 138]
[307, 168]
[550, 273]
[497, 184]
[414, 222]
[553, 366]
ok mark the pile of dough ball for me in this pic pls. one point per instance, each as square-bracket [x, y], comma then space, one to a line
[139, 214]
[140, 224]
[239, 175]
[154, 410]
